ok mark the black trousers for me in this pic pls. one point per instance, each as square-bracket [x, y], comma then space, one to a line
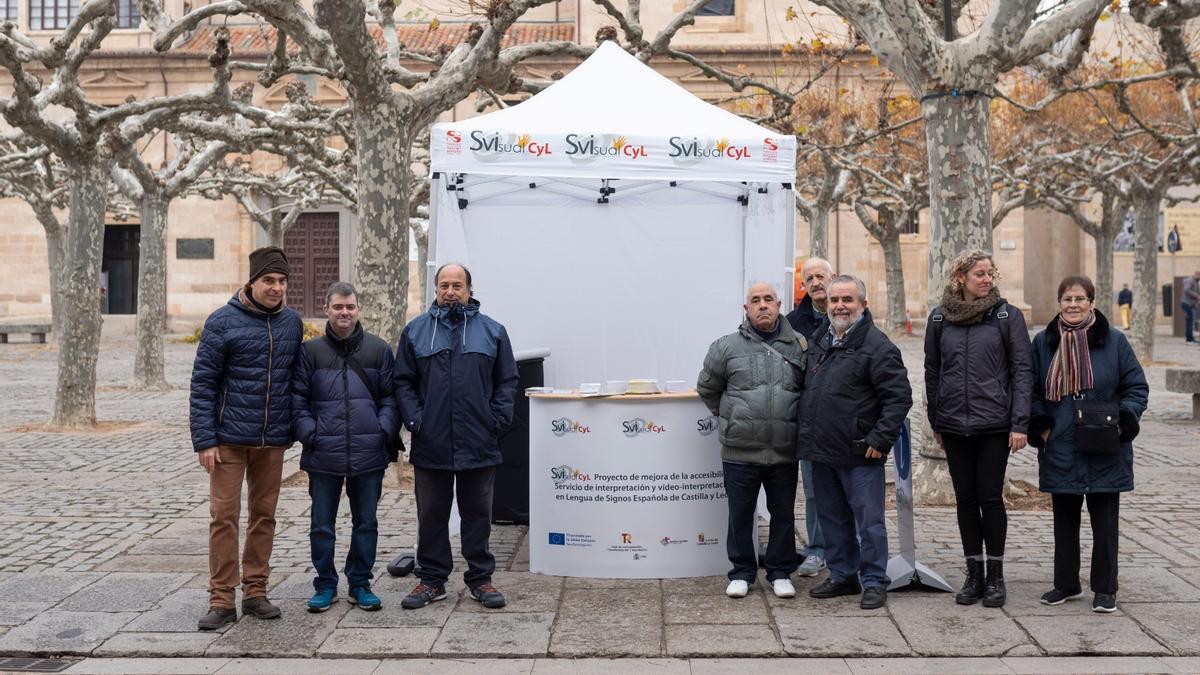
[435, 490]
[977, 465]
[742, 482]
[1104, 509]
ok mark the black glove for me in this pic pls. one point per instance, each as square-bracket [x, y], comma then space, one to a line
[1129, 425]
[1037, 425]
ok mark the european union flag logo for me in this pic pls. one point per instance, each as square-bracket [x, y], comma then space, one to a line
[558, 539]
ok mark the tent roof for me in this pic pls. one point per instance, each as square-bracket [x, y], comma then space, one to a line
[615, 117]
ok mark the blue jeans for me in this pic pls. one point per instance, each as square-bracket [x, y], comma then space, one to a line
[326, 492]
[1189, 321]
[816, 540]
[742, 482]
[849, 496]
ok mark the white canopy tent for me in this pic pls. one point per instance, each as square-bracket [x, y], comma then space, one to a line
[615, 219]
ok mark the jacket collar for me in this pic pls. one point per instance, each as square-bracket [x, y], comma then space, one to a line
[786, 334]
[455, 313]
[1097, 335]
[242, 301]
[350, 343]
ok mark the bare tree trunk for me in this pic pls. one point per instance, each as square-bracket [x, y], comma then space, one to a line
[960, 182]
[893, 267]
[1104, 270]
[148, 363]
[422, 265]
[1145, 273]
[275, 231]
[818, 233]
[381, 257]
[75, 396]
[56, 256]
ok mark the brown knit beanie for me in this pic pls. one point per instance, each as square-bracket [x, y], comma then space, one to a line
[266, 260]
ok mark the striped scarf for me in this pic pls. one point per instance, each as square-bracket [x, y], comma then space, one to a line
[1071, 367]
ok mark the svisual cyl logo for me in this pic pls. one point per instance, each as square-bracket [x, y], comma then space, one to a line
[493, 144]
[638, 426]
[706, 425]
[691, 150]
[564, 425]
[590, 147]
[564, 473]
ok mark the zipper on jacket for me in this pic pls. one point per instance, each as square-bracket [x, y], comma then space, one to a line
[967, 380]
[270, 362]
[346, 400]
[221, 412]
[770, 404]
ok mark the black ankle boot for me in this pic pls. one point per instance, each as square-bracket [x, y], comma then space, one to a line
[994, 593]
[972, 589]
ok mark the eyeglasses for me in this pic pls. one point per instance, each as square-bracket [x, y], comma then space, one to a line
[1081, 300]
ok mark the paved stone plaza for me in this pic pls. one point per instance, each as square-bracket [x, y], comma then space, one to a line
[104, 555]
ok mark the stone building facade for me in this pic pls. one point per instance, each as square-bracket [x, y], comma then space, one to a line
[208, 240]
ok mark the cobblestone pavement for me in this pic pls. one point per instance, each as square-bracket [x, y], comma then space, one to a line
[104, 555]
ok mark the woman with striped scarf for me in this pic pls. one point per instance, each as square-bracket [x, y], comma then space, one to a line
[1079, 357]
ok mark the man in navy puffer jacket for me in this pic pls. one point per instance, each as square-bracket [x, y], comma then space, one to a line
[455, 382]
[344, 414]
[241, 422]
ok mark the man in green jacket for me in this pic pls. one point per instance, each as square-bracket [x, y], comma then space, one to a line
[751, 380]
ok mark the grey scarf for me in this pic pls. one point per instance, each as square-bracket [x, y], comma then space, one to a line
[966, 312]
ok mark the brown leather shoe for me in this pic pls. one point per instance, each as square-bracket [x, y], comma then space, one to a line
[260, 608]
[217, 617]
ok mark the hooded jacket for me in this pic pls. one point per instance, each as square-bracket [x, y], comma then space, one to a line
[344, 428]
[455, 383]
[756, 393]
[856, 395]
[978, 377]
[1116, 375]
[242, 374]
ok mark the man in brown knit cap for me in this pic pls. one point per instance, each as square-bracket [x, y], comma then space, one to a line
[241, 425]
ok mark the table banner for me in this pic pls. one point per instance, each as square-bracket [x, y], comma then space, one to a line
[625, 488]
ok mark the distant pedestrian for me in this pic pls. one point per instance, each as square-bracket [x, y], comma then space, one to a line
[978, 381]
[1125, 303]
[1083, 372]
[344, 413]
[241, 422]
[1188, 301]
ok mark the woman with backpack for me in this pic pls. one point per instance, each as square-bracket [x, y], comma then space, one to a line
[1088, 397]
[978, 383]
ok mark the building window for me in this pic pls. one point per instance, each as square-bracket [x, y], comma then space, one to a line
[717, 8]
[51, 14]
[127, 14]
[56, 14]
[8, 10]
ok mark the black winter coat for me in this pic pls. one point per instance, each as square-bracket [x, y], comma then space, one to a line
[1116, 375]
[344, 428]
[856, 395]
[804, 320]
[456, 380]
[242, 376]
[979, 378]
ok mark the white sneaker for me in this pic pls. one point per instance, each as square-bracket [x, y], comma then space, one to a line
[783, 588]
[812, 566]
[737, 589]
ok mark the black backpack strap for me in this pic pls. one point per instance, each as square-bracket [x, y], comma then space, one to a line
[353, 364]
[939, 323]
